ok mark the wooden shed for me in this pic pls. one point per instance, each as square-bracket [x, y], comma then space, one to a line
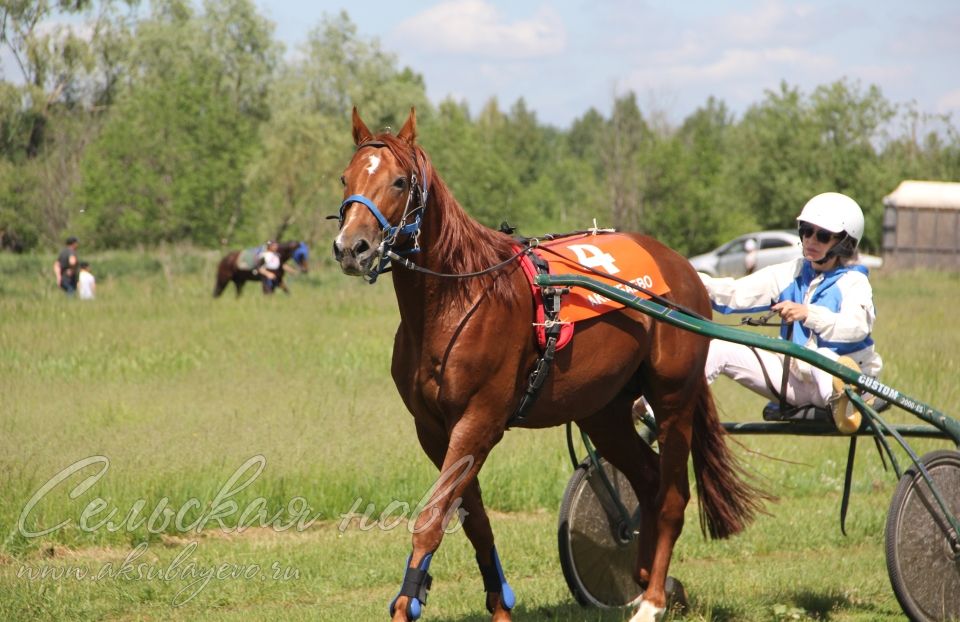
[921, 225]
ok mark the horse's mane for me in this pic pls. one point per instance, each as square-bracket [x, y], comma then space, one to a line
[464, 245]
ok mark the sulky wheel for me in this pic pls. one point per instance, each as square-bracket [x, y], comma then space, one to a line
[598, 551]
[923, 552]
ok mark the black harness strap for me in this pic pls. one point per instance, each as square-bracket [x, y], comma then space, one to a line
[786, 372]
[847, 480]
[552, 298]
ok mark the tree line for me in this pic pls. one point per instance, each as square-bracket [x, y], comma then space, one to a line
[134, 125]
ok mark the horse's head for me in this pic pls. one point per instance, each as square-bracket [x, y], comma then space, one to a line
[384, 194]
[300, 255]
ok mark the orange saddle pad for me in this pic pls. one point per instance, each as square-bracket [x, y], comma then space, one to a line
[607, 254]
[598, 256]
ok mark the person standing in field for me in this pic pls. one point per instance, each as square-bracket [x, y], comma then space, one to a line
[269, 266]
[65, 267]
[86, 283]
[825, 303]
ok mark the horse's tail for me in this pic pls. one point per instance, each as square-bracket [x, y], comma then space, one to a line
[220, 285]
[224, 270]
[728, 503]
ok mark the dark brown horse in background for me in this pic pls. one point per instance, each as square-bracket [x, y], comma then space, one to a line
[228, 271]
[465, 348]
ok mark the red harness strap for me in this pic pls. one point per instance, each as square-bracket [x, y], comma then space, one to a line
[566, 329]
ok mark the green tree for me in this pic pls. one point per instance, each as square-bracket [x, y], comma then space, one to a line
[184, 129]
[624, 153]
[478, 175]
[307, 141]
[64, 70]
[691, 204]
[791, 147]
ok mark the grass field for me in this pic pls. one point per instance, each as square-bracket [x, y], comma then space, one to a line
[167, 394]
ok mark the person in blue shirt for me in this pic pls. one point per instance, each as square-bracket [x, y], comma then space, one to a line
[826, 303]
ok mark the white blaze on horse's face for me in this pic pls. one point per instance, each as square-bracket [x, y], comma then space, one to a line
[373, 174]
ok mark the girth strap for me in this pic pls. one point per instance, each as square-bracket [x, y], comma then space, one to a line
[552, 297]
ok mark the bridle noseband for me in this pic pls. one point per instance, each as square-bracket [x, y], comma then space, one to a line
[414, 207]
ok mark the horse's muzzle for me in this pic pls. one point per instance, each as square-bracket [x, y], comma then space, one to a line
[355, 260]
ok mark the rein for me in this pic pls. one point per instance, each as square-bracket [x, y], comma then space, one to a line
[762, 321]
[409, 265]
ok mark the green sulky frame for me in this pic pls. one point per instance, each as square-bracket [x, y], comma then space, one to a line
[942, 425]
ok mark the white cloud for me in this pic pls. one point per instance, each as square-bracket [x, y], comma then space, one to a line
[771, 21]
[476, 27]
[949, 102]
[731, 66]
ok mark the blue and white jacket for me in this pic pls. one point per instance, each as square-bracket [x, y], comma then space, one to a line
[840, 306]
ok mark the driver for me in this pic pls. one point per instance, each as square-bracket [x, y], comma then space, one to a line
[825, 302]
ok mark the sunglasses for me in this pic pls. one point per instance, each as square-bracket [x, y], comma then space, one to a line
[823, 236]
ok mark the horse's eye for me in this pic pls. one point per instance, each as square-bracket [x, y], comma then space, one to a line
[400, 182]
[343, 180]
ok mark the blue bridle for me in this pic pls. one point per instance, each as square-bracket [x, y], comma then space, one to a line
[392, 232]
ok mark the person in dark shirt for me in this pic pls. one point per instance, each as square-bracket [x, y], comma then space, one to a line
[65, 267]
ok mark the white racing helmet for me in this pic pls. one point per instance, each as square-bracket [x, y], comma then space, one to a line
[834, 212]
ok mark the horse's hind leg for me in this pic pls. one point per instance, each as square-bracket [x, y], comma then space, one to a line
[459, 457]
[674, 398]
[612, 431]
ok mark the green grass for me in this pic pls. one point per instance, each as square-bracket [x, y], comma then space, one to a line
[179, 390]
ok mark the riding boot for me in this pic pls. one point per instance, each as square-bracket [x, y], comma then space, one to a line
[845, 416]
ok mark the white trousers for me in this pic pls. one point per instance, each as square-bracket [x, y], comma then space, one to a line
[739, 362]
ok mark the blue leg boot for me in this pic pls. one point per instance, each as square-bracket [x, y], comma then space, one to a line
[416, 585]
[494, 581]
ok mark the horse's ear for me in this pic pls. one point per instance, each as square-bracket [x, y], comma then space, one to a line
[408, 133]
[360, 132]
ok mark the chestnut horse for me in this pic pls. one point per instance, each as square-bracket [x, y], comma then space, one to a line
[465, 348]
[228, 271]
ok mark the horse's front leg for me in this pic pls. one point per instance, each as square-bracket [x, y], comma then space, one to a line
[500, 599]
[460, 458]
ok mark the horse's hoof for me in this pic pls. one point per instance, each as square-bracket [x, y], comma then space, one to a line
[648, 612]
[499, 611]
[676, 595]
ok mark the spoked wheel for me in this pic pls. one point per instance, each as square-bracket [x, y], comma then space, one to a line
[923, 551]
[598, 550]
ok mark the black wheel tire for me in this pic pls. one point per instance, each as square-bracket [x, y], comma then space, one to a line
[923, 556]
[598, 552]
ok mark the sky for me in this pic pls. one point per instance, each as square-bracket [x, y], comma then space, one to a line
[565, 56]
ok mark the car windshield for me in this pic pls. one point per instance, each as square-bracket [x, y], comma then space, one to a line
[774, 243]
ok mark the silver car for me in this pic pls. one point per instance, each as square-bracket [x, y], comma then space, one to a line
[762, 249]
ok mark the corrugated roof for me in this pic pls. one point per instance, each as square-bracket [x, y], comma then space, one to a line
[933, 194]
